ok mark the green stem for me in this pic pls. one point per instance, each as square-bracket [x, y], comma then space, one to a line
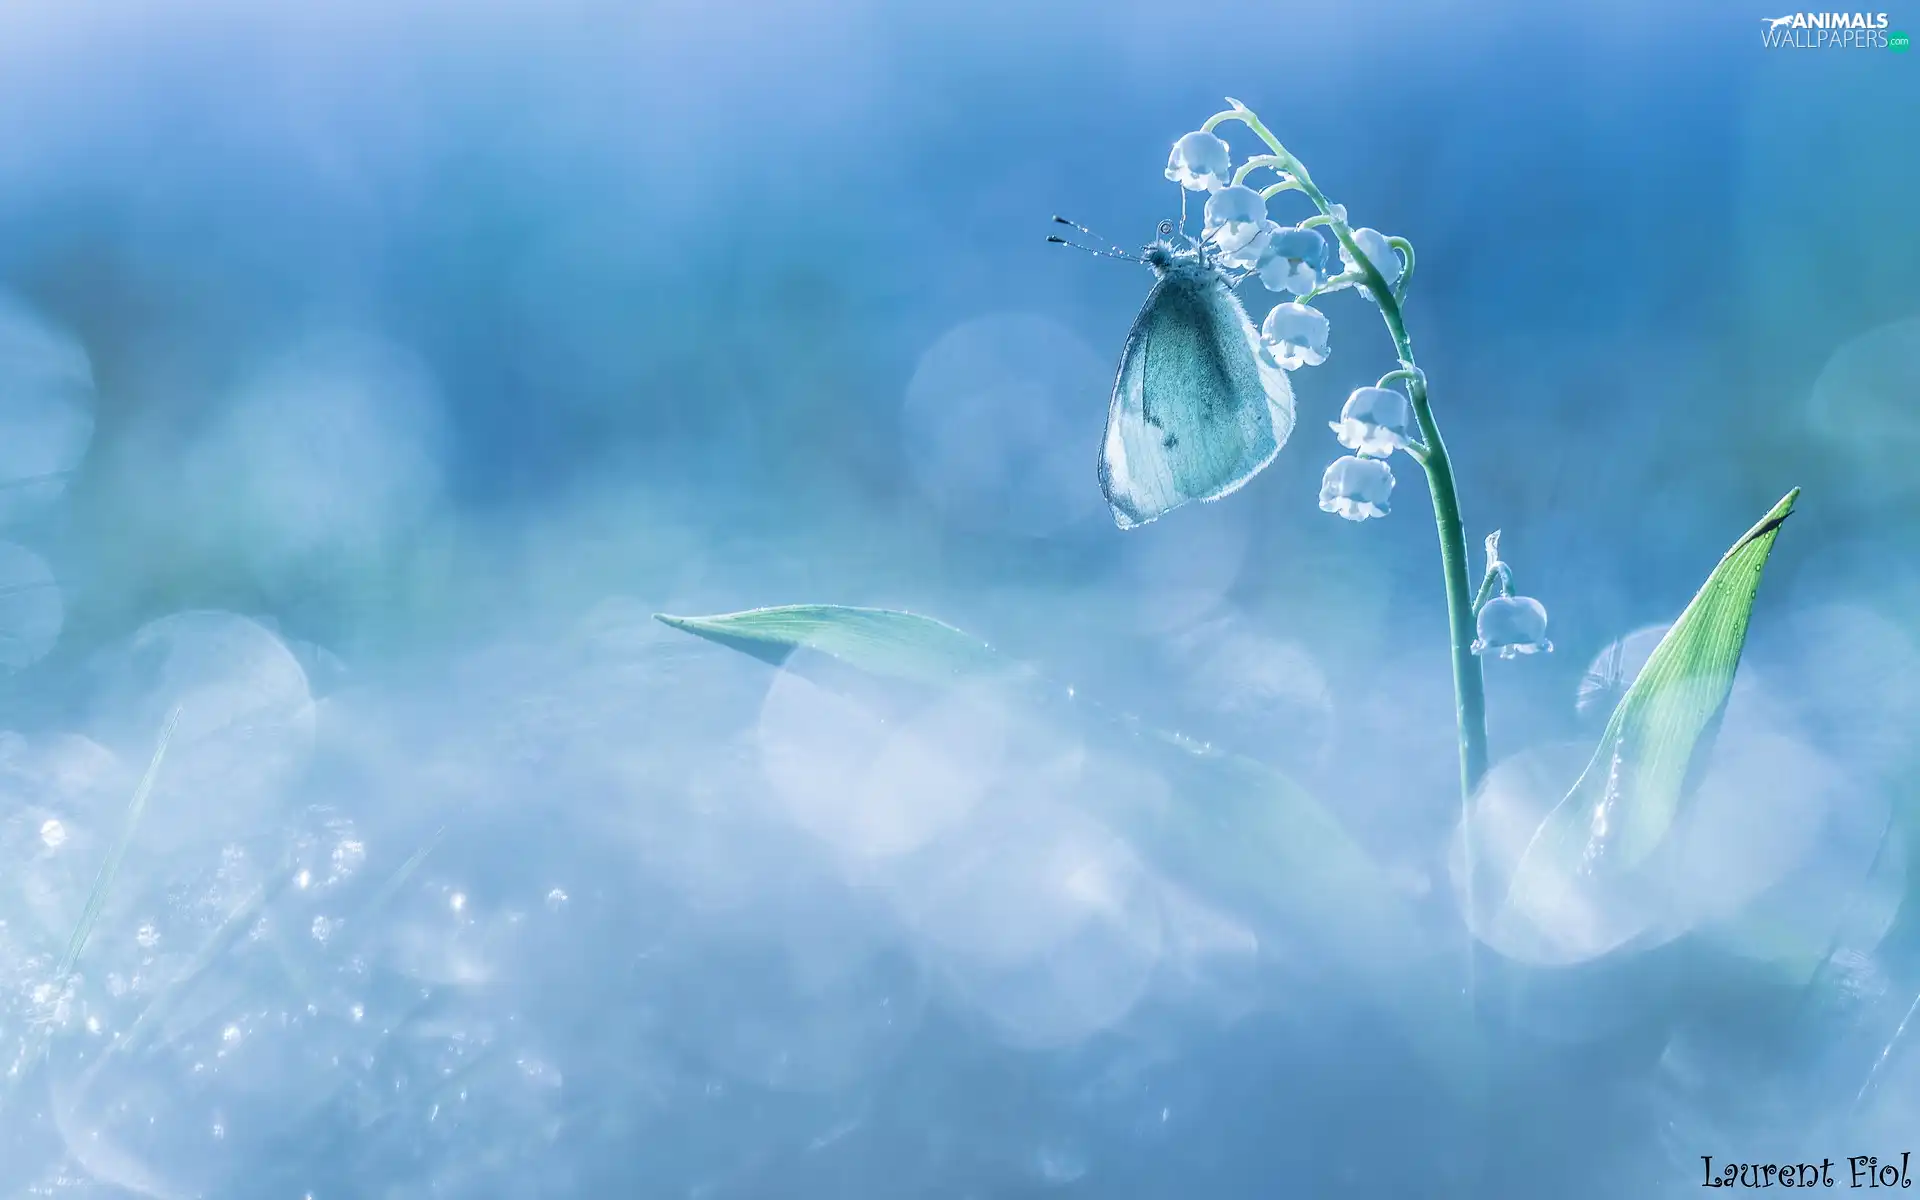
[1254, 164]
[1330, 285]
[1498, 580]
[1469, 685]
[1486, 591]
[1406, 267]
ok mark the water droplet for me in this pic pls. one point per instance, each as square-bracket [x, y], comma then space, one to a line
[358, 1012]
[219, 1131]
[147, 935]
[230, 1034]
[556, 900]
[303, 879]
[52, 833]
[322, 929]
[457, 902]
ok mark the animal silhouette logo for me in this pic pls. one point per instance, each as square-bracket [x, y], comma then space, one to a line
[1776, 22]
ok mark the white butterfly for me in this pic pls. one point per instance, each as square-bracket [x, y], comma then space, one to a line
[1199, 405]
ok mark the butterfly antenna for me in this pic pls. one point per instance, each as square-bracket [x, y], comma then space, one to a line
[1112, 251]
[1060, 241]
[1208, 244]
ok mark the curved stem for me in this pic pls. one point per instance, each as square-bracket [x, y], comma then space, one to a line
[1405, 248]
[1331, 285]
[1498, 580]
[1469, 684]
[1255, 163]
[1213, 122]
[1485, 594]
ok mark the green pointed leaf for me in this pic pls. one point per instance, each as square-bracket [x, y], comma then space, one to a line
[1625, 801]
[895, 645]
[1233, 829]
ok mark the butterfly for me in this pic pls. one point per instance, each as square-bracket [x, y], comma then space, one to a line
[1199, 405]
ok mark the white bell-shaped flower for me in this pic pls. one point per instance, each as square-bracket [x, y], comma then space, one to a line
[1379, 252]
[1511, 625]
[1357, 488]
[1235, 217]
[1296, 334]
[1199, 162]
[1250, 253]
[1294, 260]
[1374, 421]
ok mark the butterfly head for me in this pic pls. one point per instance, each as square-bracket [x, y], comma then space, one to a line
[1172, 250]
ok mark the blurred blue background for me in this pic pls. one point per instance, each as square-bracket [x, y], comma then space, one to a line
[370, 373]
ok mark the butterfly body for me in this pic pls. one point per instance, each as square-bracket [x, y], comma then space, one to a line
[1198, 406]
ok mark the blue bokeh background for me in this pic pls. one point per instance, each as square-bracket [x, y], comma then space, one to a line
[369, 373]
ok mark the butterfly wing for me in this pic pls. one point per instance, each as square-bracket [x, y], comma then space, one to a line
[1195, 412]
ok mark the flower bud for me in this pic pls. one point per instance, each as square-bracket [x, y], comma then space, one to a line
[1511, 625]
[1296, 334]
[1199, 163]
[1357, 488]
[1379, 252]
[1294, 260]
[1374, 421]
[1236, 217]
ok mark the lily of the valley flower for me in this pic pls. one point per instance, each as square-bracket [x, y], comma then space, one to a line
[1253, 251]
[1296, 334]
[1236, 219]
[1357, 488]
[1294, 260]
[1199, 162]
[1512, 625]
[1374, 421]
[1379, 252]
